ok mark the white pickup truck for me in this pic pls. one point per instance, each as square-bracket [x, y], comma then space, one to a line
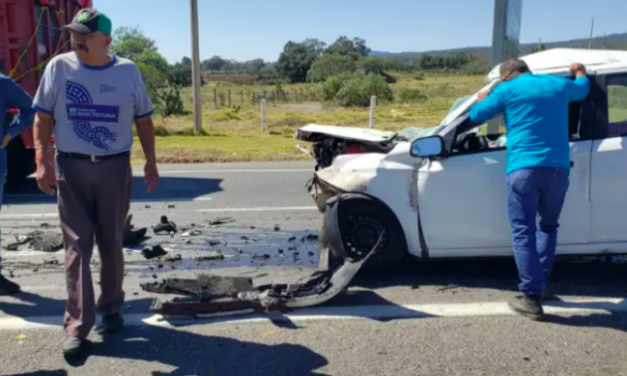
[441, 191]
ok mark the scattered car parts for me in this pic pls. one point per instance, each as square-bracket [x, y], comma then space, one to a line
[209, 295]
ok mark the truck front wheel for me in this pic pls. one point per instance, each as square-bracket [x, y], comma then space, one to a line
[20, 160]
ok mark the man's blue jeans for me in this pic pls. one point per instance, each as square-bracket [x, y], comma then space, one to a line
[535, 197]
[3, 178]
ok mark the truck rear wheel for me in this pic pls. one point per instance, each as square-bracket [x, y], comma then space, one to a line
[20, 160]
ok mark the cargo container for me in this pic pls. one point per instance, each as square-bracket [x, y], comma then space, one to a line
[30, 36]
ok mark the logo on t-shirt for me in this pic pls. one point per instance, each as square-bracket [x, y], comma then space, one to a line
[93, 112]
[104, 88]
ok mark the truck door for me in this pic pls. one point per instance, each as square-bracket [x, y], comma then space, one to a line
[609, 164]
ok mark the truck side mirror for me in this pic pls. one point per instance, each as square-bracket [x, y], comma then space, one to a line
[431, 146]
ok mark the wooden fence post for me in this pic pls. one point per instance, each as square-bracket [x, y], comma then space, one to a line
[215, 96]
[373, 106]
[253, 98]
[242, 97]
[263, 114]
[229, 97]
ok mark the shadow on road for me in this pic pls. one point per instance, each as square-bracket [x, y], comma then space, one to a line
[190, 353]
[170, 188]
[196, 354]
[570, 276]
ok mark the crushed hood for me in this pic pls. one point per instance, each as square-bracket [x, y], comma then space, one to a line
[311, 132]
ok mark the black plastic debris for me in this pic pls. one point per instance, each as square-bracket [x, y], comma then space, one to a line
[310, 237]
[174, 258]
[221, 221]
[311, 254]
[45, 225]
[51, 262]
[165, 226]
[213, 243]
[277, 228]
[47, 242]
[291, 239]
[155, 251]
[263, 256]
[211, 257]
[133, 236]
[171, 206]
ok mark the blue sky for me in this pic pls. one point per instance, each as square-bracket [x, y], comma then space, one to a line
[248, 29]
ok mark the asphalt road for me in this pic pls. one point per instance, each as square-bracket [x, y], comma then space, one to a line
[437, 318]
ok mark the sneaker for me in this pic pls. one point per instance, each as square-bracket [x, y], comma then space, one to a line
[7, 287]
[74, 346]
[112, 323]
[528, 306]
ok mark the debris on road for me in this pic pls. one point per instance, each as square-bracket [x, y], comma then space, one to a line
[165, 226]
[221, 221]
[174, 258]
[261, 257]
[213, 243]
[210, 257]
[132, 236]
[154, 252]
[47, 242]
[191, 233]
[51, 262]
[277, 228]
[310, 237]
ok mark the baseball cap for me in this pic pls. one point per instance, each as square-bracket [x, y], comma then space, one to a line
[89, 21]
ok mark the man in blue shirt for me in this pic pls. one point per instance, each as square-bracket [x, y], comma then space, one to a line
[11, 97]
[535, 111]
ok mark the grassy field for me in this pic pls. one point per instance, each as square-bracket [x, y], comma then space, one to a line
[233, 134]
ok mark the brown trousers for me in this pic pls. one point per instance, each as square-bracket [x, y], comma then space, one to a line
[94, 200]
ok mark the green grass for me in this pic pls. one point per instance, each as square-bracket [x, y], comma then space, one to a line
[234, 135]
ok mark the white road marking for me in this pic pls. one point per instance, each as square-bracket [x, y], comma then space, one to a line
[215, 210]
[178, 172]
[378, 312]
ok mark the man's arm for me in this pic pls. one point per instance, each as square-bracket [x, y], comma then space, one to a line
[487, 107]
[17, 98]
[42, 133]
[146, 134]
[580, 87]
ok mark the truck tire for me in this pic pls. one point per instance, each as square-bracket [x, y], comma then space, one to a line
[20, 161]
[361, 218]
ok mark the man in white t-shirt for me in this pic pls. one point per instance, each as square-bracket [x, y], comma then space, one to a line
[94, 98]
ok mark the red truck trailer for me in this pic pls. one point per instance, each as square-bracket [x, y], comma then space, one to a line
[30, 36]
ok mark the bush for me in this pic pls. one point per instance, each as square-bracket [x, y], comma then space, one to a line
[171, 101]
[355, 90]
[408, 95]
[330, 65]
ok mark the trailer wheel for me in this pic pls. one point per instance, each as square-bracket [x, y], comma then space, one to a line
[360, 220]
[20, 161]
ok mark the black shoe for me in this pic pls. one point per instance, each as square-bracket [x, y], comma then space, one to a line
[112, 323]
[74, 346]
[548, 296]
[7, 287]
[528, 306]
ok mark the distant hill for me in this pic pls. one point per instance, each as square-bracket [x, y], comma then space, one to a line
[613, 41]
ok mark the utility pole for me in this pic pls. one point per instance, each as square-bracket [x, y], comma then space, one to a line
[196, 68]
[591, 31]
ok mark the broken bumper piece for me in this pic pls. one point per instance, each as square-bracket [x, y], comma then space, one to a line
[208, 295]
